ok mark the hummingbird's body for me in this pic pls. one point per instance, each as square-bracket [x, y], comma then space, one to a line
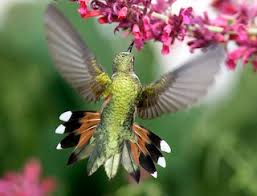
[117, 114]
[110, 137]
[117, 117]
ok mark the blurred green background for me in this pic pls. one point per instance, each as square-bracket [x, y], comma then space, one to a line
[214, 147]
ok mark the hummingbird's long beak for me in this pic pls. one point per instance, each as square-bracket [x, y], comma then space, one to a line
[130, 47]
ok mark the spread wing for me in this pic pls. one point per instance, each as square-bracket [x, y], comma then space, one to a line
[72, 57]
[181, 88]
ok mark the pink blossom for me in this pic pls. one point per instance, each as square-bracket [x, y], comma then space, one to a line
[244, 54]
[147, 28]
[161, 5]
[234, 56]
[122, 13]
[27, 183]
[225, 6]
[201, 35]
[166, 39]
[85, 12]
[138, 36]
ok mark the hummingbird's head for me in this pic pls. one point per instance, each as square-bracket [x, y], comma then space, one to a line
[124, 62]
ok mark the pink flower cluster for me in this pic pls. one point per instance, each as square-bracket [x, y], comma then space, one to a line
[148, 20]
[236, 22]
[141, 18]
[27, 183]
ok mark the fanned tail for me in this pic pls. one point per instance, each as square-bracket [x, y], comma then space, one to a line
[98, 158]
[111, 166]
[143, 152]
[129, 160]
[79, 127]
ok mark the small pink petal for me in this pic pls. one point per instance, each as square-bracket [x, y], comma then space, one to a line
[48, 185]
[123, 13]
[82, 11]
[231, 64]
[165, 49]
[32, 171]
[136, 31]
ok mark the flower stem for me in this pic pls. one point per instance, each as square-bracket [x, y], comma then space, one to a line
[216, 29]
[160, 16]
[252, 31]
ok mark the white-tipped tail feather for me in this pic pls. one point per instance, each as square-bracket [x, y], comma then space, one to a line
[154, 174]
[60, 129]
[161, 161]
[59, 147]
[165, 147]
[65, 116]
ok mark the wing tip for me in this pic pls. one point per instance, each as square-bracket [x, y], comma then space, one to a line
[51, 12]
[51, 8]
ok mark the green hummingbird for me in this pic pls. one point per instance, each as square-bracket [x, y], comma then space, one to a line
[110, 137]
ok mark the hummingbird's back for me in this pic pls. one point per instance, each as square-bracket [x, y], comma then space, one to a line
[118, 113]
[117, 118]
[120, 108]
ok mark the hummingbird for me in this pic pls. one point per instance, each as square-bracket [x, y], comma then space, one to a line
[110, 137]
